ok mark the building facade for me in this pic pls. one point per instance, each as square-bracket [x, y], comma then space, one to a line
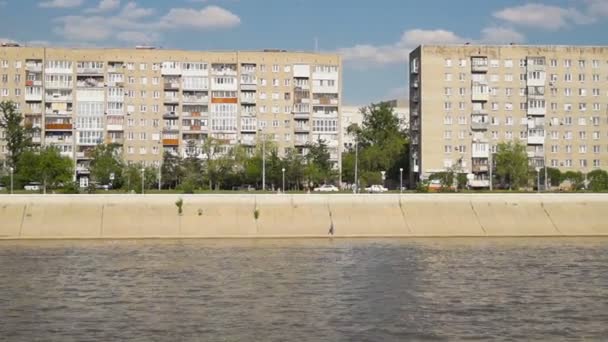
[466, 99]
[150, 101]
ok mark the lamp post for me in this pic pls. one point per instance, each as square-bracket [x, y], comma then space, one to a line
[143, 180]
[356, 166]
[400, 180]
[283, 170]
[538, 179]
[263, 160]
[12, 170]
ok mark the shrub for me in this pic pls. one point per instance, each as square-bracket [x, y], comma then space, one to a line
[179, 204]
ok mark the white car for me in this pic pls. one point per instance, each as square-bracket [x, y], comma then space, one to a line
[376, 189]
[326, 188]
[32, 186]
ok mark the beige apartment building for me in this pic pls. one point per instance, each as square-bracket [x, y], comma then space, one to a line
[465, 99]
[154, 100]
[352, 115]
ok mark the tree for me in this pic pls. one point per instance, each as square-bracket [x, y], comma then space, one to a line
[554, 175]
[512, 164]
[17, 136]
[171, 170]
[598, 180]
[318, 167]
[576, 179]
[382, 145]
[107, 162]
[46, 166]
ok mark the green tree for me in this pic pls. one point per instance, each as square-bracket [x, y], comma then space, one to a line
[554, 175]
[46, 166]
[107, 162]
[17, 136]
[382, 145]
[294, 174]
[512, 164]
[318, 167]
[575, 178]
[598, 180]
[171, 170]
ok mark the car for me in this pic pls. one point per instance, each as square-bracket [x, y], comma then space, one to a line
[376, 188]
[105, 187]
[326, 188]
[2, 187]
[33, 186]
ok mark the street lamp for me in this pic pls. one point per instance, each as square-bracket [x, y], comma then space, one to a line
[12, 170]
[283, 170]
[538, 179]
[143, 180]
[400, 180]
[263, 160]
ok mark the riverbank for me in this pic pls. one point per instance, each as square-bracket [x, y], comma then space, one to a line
[302, 216]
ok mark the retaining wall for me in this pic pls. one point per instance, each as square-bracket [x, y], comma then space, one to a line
[215, 216]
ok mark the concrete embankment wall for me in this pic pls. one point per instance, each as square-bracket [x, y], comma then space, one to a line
[210, 216]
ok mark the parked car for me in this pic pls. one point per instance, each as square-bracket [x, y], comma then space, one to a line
[2, 187]
[33, 186]
[376, 188]
[105, 187]
[326, 188]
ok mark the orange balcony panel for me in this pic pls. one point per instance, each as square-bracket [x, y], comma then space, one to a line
[224, 100]
[60, 126]
[29, 83]
[195, 114]
[170, 142]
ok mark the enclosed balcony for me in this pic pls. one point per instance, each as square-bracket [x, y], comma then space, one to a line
[90, 82]
[58, 126]
[90, 68]
[170, 142]
[115, 67]
[172, 83]
[480, 122]
[479, 64]
[221, 69]
[34, 66]
[195, 98]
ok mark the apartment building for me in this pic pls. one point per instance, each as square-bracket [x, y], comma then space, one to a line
[466, 99]
[352, 115]
[153, 100]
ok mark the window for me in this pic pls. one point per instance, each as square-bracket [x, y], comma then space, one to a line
[553, 63]
[581, 63]
[568, 77]
[155, 66]
[130, 66]
[583, 162]
[155, 80]
[462, 76]
[157, 94]
[596, 135]
[447, 135]
[448, 77]
[508, 91]
[447, 120]
[462, 63]
[447, 149]
[582, 135]
[582, 106]
[448, 91]
[143, 108]
[509, 121]
[596, 78]
[448, 62]
[462, 91]
[142, 66]
[568, 136]
[508, 77]
[596, 92]
[494, 63]
[508, 63]
[567, 63]
[275, 68]
[567, 92]
[581, 77]
[582, 92]
[447, 105]
[595, 64]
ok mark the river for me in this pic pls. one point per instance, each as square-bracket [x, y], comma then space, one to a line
[304, 290]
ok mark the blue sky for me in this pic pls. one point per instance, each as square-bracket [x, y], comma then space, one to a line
[374, 37]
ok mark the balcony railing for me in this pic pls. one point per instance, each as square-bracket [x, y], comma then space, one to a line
[480, 168]
[480, 125]
[90, 84]
[59, 126]
[33, 83]
[171, 142]
[55, 112]
[193, 128]
[172, 85]
[33, 97]
[90, 71]
[248, 100]
[58, 85]
[115, 127]
[196, 99]
[33, 67]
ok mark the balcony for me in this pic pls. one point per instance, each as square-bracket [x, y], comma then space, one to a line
[90, 83]
[59, 140]
[171, 128]
[58, 70]
[224, 72]
[170, 142]
[33, 83]
[250, 87]
[171, 115]
[325, 102]
[538, 111]
[171, 85]
[479, 168]
[194, 114]
[300, 142]
[115, 127]
[89, 71]
[82, 169]
[58, 98]
[171, 99]
[195, 99]
[56, 112]
[481, 153]
[301, 116]
[66, 154]
[248, 100]
[33, 97]
[479, 64]
[171, 70]
[58, 126]
[414, 113]
[193, 128]
[536, 139]
[302, 128]
[36, 140]
[58, 85]
[33, 67]
[480, 97]
[480, 126]
[536, 154]
[115, 140]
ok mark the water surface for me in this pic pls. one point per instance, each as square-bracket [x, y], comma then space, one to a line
[304, 290]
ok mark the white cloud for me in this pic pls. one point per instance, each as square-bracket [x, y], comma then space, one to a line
[501, 35]
[104, 6]
[61, 3]
[597, 8]
[367, 55]
[542, 16]
[207, 18]
[135, 24]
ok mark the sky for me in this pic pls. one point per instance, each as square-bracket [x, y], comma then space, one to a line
[374, 38]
